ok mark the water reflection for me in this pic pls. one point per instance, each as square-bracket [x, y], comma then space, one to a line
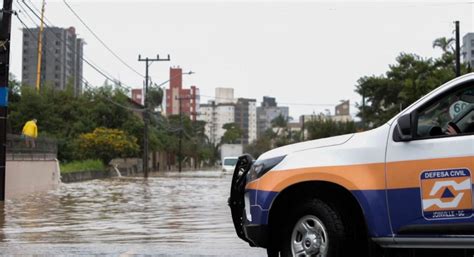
[169, 214]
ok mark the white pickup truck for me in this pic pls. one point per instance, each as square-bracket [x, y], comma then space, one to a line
[405, 184]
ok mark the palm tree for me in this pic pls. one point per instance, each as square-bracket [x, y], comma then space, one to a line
[280, 122]
[446, 44]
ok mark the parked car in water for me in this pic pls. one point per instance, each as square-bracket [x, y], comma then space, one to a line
[228, 164]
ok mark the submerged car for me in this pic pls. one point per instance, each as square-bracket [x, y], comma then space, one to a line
[405, 184]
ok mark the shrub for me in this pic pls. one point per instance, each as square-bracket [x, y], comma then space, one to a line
[106, 144]
[86, 165]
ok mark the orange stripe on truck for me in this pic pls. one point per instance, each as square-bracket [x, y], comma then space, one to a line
[406, 174]
[353, 177]
[403, 174]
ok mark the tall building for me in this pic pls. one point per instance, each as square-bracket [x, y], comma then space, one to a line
[207, 113]
[246, 119]
[267, 112]
[218, 113]
[224, 95]
[468, 49]
[216, 116]
[176, 95]
[61, 62]
[225, 109]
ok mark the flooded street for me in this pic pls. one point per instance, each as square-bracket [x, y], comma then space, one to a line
[167, 215]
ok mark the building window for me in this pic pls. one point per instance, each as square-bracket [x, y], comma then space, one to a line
[472, 42]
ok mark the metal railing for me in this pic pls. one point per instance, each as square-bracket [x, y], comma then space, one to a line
[18, 149]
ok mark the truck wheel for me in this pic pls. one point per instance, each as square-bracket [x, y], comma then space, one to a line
[314, 229]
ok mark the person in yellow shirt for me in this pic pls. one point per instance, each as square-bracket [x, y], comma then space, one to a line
[30, 132]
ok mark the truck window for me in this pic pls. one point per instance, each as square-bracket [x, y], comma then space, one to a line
[452, 112]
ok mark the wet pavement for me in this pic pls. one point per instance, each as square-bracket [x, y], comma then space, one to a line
[173, 214]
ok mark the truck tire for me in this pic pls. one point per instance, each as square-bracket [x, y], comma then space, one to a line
[314, 229]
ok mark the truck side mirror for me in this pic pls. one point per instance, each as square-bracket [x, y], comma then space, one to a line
[404, 128]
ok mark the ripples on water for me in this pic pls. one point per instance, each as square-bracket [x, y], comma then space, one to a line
[172, 214]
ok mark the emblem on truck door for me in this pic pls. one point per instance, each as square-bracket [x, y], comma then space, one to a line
[446, 194]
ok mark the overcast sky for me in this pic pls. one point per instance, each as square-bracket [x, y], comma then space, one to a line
[307, 54]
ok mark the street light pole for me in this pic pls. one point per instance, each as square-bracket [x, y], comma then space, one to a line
[148, 62]
[177, 75]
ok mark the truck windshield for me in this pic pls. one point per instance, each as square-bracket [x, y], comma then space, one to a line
[230, 162]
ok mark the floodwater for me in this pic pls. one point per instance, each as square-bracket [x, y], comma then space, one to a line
[173, 214]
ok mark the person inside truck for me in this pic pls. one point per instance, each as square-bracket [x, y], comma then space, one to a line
[465, 125]
[451, 115]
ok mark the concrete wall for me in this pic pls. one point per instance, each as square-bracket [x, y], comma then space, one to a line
[86, 175]
[25, 177]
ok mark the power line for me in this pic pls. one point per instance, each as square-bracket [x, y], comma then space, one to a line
[164, 125]
[35, 24]
[101, 41]
[90, 63]
[95, 67]
[283, 103]
[86, 83]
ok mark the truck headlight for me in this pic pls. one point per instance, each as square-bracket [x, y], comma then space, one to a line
[260, 167]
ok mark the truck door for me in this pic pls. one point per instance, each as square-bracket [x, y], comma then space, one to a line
[430, 176]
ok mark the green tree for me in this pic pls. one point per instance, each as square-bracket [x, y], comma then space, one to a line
[261, 145]
[406, 81]
[155, 97]
[325, 127]
[65, 116]
[446, 44]
[232, 134]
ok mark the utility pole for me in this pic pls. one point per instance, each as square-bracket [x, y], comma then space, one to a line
[6, 22]
[40, 49]
[458, 51]
[148, 62]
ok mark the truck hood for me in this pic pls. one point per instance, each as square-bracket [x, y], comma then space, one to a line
[318, 143]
